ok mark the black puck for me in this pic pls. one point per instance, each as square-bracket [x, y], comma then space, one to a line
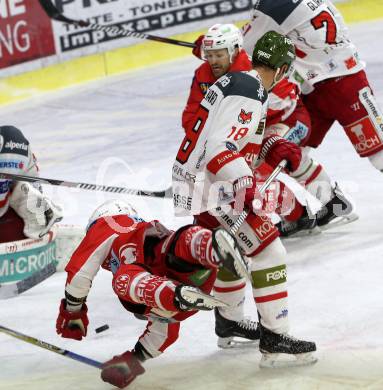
[102, 328]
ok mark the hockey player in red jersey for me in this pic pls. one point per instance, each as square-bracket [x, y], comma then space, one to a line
[330, 74]
[25, 212]
[221, 48]
[159, 275]
[213, 180]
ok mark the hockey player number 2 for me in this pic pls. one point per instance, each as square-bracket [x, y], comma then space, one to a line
[325, 19]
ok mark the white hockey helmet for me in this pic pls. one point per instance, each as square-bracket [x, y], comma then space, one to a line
[222, 36]
[110, 208]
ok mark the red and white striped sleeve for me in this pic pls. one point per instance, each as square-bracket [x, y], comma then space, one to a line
[88, 257]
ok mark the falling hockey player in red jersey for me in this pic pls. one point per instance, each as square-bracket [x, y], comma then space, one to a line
[213, 179]
[330, 73]
[25, 212]
[158, 275]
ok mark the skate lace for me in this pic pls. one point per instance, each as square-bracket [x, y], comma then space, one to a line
[248, 324]
[286, 336]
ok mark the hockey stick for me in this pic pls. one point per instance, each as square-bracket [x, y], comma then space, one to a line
[55, 14]
[50, 347]
[234, 229]
[85, 186]
[13, 289]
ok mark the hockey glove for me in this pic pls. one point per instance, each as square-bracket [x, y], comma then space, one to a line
[275, 149]
[122, 369]
[192, 298]
[197, 49]
[72, 324]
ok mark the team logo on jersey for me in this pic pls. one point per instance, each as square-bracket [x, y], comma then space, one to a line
[204, 87]
[350, 62]
[121, 284]
[245, 117]
[128, 253]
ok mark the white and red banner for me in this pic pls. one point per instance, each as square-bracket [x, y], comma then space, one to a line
[25, 32]
[30, 40]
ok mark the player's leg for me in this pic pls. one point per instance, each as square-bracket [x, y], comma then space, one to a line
[280, 199]
[362, 118]
[337, 209]
[193, 254]
[230, 322]
[258, 238]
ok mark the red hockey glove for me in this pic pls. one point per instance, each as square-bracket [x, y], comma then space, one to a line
[275, 149]
[197, 50]
[121, 370]
[72, 325]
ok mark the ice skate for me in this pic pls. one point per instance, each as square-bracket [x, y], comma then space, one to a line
[304, 226]
[336, 212]
[228, 331]
[283, 350]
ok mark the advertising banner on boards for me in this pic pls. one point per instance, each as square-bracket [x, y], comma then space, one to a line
[26, 32]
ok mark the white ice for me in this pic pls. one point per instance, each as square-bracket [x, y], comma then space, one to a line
[125, 131]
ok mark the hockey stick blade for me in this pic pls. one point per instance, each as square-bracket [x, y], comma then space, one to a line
[114, 30]
[50, 347]
[195, 295]
[86, 186]
[11, 290]
[225, 245]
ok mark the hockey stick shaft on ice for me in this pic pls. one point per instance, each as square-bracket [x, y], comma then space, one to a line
[234, 229]
[86, 186]
[50, 347]
[114, 30]
[10, 290]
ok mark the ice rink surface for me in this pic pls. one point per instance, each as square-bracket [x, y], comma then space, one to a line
[125, 131]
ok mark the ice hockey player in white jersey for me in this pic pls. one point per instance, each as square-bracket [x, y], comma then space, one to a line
[25, 212]
[213, 180]
[331, 76]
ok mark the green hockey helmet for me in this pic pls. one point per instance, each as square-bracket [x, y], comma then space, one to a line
[274, 50]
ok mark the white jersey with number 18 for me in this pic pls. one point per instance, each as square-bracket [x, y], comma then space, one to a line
[222, 146]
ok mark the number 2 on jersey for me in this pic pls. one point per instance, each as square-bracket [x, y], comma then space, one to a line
[325, 19]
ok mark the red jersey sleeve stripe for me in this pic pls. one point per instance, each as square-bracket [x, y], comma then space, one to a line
[219, 161]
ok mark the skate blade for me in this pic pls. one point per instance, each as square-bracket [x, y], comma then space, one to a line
[340, 221]
[232, 342]
[283, 360]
